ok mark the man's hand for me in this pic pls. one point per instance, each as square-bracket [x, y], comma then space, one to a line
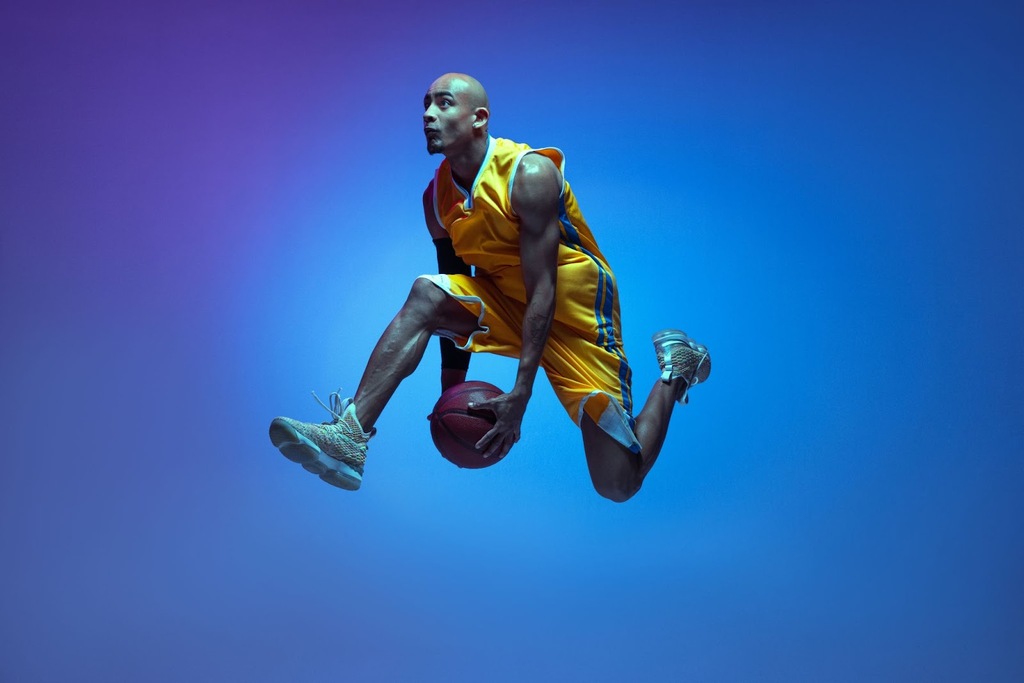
[509, 409]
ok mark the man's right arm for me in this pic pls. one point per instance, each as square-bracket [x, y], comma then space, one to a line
[454, 361]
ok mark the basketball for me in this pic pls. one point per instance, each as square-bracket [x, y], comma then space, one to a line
[455, 428]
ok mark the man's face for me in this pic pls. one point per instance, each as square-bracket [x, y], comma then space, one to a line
[447, 117]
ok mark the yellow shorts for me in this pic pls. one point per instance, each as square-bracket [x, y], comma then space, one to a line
[584, 359]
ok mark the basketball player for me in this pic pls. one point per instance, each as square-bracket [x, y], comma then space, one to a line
[542, 292]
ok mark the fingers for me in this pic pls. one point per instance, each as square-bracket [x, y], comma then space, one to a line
[487, 441]
[497, 442]
[491, 404]
[505, 433]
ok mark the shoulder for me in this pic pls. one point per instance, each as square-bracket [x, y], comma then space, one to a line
[535, 163]
[537, 190]
[536, 179]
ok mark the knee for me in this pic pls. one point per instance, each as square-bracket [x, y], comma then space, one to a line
[617, 491]
[425, 298]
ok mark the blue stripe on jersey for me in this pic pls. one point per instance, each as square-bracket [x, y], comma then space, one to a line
[603, 308]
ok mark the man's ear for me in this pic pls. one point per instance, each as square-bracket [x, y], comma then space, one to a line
[483, 115]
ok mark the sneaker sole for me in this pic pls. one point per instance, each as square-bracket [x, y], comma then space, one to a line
[298, 448]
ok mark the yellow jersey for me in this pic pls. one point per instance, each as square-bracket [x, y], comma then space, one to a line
[584, 355]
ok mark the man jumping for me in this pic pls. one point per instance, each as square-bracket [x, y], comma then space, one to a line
[539, 290]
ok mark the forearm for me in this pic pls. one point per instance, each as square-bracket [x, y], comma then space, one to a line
[536, 326]
[449, 378]
[454, 364]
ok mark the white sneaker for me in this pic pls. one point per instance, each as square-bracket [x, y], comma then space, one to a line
[680, 356]
[335, 451]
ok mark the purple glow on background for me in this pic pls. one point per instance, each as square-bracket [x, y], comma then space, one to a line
[210, 211]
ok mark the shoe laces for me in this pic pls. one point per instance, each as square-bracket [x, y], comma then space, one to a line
[685, 398]
[668, 367]
[337, 406]
[337, 409]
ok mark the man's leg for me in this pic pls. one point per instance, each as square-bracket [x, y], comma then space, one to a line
[336, 451]
[401, 347]
[617, 473]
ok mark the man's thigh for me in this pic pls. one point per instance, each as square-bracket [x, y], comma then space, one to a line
[488, 321]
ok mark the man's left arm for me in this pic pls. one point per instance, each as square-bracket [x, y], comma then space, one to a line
[536, 197]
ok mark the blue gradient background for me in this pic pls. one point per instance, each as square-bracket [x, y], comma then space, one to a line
[209, 211]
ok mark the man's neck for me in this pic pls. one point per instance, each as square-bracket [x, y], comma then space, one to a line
[466, 164]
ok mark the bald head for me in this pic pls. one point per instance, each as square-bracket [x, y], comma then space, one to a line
[465, 87]
[455, 116]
